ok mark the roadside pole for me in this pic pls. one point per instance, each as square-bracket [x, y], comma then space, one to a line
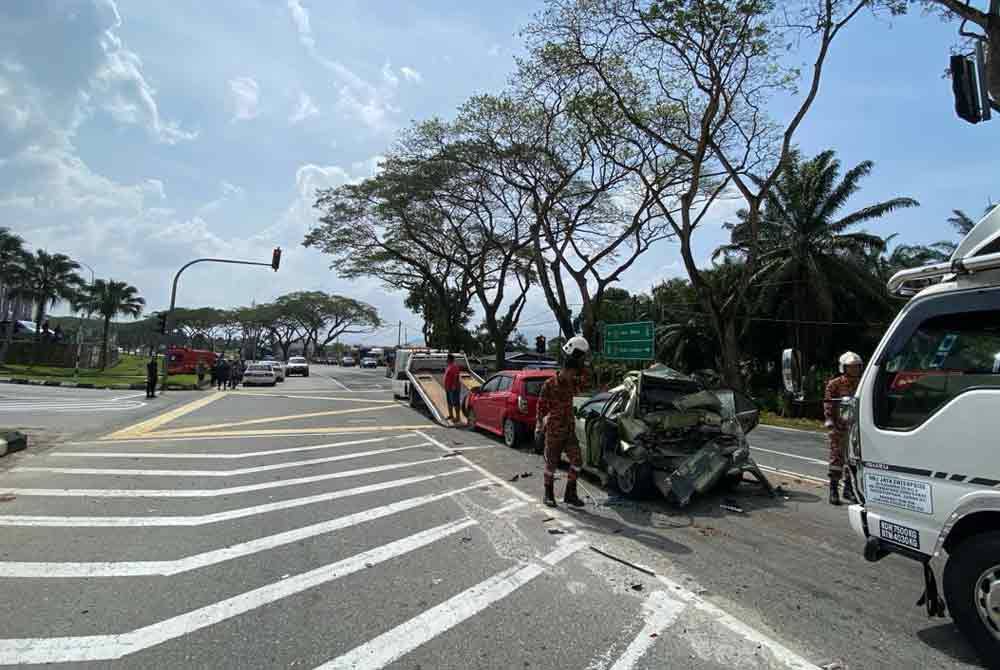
[275, 262]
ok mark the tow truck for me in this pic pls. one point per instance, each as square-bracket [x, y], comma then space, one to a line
[924, 434]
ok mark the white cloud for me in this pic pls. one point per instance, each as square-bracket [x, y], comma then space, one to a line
[305, 109]
[495, 50]
[411, 75]
[358, 98]
[388, 76]
[244, 96]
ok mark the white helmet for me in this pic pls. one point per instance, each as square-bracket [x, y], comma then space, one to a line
[849, 358]
[576, 346]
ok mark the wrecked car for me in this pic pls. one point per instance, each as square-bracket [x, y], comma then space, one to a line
[663, 429]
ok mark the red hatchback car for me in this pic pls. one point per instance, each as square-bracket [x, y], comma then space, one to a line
[507, 402]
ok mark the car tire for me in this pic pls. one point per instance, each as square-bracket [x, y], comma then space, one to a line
[635, 480]
[306, 374]
[975, 561]
[511, 433]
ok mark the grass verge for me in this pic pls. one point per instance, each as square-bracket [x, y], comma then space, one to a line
[129, 370]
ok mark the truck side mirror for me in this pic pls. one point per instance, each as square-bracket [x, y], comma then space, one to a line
[791, 372]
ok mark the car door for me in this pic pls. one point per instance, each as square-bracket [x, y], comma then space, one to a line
[498, 402]
[478, 402]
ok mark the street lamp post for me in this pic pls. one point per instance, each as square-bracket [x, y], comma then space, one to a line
[79, 331]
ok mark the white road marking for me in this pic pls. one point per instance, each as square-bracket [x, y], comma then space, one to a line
[196, 561]
[212, 456]
[509, 506]
[117, 645]
[782, 453]
[817, 433]
[404, 638]
[69, 405]
[659, 611]
[213, 493]
[215, 517]
[478, 468]
[133, 472]
[781, 653]
[790, 473]
[340, 385]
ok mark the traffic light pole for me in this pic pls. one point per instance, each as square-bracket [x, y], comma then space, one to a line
[275, 261]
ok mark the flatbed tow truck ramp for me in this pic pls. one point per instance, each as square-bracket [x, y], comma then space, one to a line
[425, 373]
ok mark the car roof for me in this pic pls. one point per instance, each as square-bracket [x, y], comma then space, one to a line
[537, 372]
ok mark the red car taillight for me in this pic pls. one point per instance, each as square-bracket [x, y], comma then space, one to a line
[522, 404]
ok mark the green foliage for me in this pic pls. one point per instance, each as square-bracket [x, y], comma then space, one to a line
[110, 299]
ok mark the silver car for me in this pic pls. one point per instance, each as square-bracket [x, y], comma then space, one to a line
[297, 365]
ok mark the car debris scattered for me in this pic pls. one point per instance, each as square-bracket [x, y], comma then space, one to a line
[731, 505]
[618, 559]
[523, 475]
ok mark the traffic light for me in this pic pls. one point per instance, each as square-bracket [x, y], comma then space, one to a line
[540, 344]
[276, 258]
[968, 83]
[162, 320]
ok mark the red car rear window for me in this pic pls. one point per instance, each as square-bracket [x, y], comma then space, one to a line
[533, 385]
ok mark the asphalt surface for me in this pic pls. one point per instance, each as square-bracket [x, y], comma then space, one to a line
[322, 524]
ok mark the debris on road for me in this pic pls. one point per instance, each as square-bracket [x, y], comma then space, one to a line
[731, 505]
[523, 475]
[452, 453]
[636, 587]
[556, 531]
[548, 518]
[630, 564]
[7, 497]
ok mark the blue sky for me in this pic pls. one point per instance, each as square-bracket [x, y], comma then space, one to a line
[135, 135]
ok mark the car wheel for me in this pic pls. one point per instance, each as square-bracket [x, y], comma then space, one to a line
[634, 481]
[511, 433]
[972, 591]
[306, 374]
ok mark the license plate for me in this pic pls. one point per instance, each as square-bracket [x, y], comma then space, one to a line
[908, 537]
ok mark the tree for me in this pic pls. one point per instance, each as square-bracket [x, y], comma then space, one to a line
[202, 323]
[12, 262]
[694, 78]
[810, 257]
[111, 298]
[282, 328]
[445, 322]
[48, 280]
[322, 318]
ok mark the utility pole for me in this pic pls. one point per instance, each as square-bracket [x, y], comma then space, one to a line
[399, 334]
[79, 331]
[274, 264]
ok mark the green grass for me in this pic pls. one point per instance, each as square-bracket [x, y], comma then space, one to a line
[771, 419]
[130, 369]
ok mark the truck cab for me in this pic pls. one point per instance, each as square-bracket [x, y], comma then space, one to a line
[925, 425]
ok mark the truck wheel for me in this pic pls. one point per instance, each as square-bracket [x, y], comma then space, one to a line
[511, 433]
[972, 591]
[635, 480]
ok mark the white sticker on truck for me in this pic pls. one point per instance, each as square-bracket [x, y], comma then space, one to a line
[908, 494]
[904, 535]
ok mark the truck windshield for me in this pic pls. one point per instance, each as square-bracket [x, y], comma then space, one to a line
[947, 355]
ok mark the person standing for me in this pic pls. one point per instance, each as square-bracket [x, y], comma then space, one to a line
[843, 386]
[453, 389]
[222, 374]
[555, 421]
[151, 377]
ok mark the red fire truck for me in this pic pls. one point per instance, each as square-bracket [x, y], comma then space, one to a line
[184, 361]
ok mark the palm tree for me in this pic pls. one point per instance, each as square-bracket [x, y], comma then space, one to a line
[48, 280]
[11, 276]
[809, 258]
[110, 299]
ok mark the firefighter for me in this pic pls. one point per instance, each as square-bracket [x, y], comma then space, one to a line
[555, 420]
[843, 386]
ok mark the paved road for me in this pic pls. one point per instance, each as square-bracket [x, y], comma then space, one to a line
[322, 524]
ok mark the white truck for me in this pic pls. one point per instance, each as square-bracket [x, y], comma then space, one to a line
[925, 439]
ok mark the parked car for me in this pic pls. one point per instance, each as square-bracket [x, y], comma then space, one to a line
[506, 403]
[279, 368]
[369, 362]
[297, 365]
[347, 361]
[260, 374]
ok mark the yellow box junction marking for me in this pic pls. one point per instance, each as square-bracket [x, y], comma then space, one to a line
[149, 425]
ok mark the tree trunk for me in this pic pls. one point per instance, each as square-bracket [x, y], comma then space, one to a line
[731, 356]
[104, 343]
[7, 339]
[500, 344]
[39, 315]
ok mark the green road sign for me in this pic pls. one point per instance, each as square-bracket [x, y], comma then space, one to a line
[629, 341]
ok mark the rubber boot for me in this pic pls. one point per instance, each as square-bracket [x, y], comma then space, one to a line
[570, 497]
[834, 494]
[550, 496]
[848, 494]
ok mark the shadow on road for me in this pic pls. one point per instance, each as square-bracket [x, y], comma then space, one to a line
[945, 638]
